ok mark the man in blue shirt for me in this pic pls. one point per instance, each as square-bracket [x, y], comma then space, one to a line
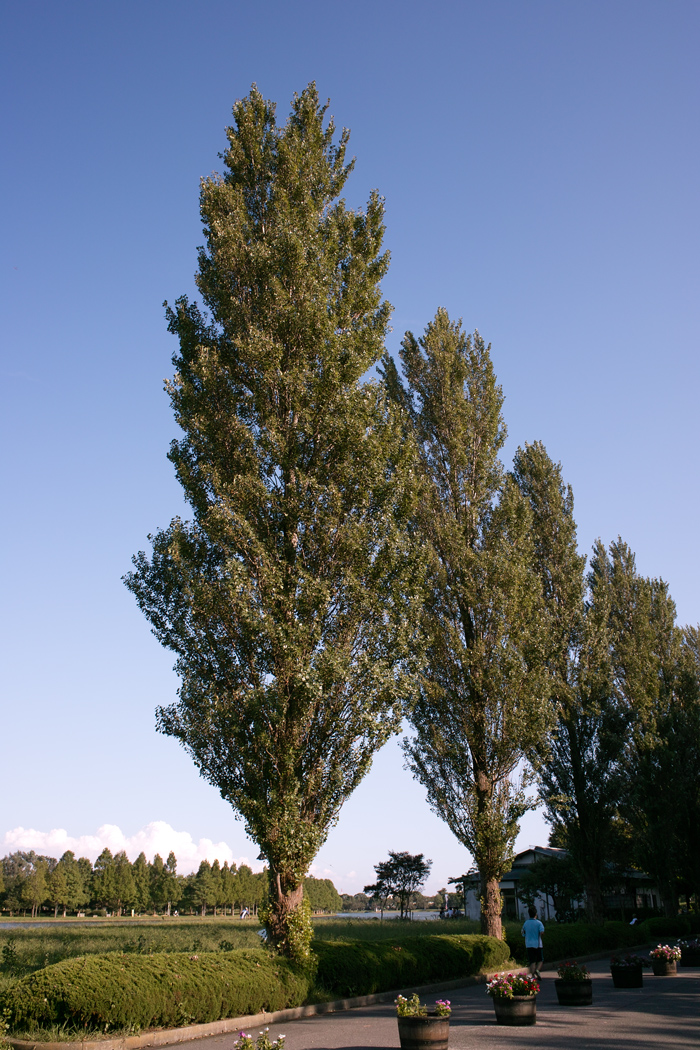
[532, 932]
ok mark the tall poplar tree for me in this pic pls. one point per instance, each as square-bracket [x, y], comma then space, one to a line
[482, 702]
[579, 766]
[286, 597]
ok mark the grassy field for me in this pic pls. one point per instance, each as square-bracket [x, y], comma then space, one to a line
[332, 929]
[26, 949]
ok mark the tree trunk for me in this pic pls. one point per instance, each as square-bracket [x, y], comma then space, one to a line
[284, 900]
[491, 906]
[595, 908]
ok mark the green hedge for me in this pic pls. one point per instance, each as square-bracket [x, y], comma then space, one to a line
[679, 926]
[568, 940]
[348, 968]
[104, 992]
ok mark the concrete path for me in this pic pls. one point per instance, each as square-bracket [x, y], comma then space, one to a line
[665, 1013]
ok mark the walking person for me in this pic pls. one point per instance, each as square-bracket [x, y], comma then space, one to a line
[532, 932]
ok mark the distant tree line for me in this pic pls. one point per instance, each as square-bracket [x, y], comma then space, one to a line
[32, 884]
[419, 902]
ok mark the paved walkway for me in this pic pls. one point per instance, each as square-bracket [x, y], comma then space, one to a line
[665, 1013]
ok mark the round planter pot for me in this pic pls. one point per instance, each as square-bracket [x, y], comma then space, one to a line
[663, 967]
[627, 976]
[424, 1033]
[690, 957]
[574, 993]
[520, 1010]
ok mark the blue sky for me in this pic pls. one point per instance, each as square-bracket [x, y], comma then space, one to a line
[540, 166]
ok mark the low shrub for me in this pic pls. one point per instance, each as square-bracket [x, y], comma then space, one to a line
[349, 968]
[104, 992]
[567, 940]
[663, 926]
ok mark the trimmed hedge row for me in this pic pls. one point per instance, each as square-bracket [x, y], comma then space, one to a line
[349, 968]
[567, 940]
[104, 992]
[118, 991]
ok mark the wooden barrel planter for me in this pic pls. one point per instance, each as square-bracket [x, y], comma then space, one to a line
[663, 967]
[690, 956]
[627, 976]
[520, 1010]
[424, 1033]
[574, 993]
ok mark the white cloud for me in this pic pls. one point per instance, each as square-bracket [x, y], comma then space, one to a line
[156, 837]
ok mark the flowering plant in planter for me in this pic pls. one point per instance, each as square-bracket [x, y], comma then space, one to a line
[622, 962]
[663, 951]
[413, 1008]
[573, 971]
[506, 985]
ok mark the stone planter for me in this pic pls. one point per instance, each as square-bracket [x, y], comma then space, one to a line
[574, 993]
[690, 957]
[424, 1033]
[663, 967]
[627, 976]
[520, 1010]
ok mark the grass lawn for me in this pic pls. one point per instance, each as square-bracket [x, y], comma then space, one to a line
[24, 950]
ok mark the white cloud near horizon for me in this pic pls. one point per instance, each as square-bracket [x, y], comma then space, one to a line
[156, 837]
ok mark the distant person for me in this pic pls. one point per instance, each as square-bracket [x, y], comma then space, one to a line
[532, 931]
[245, 913]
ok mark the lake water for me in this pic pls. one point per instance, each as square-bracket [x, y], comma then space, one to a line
[387, 915]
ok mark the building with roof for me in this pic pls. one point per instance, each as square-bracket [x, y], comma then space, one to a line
[628, 891]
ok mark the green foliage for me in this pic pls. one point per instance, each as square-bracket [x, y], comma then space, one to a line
[300, 932]
[390, 930]
[556, 877]
[25, 950]
[288, 598]
[4, 1028]
[482, 696]
[399, 877]
[350, 968]
[263, 1042]
[567, 940]
[661, 798]
[573, 971]
[410, 1007]
[105, 992]
[673, 926]
[322, 895]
